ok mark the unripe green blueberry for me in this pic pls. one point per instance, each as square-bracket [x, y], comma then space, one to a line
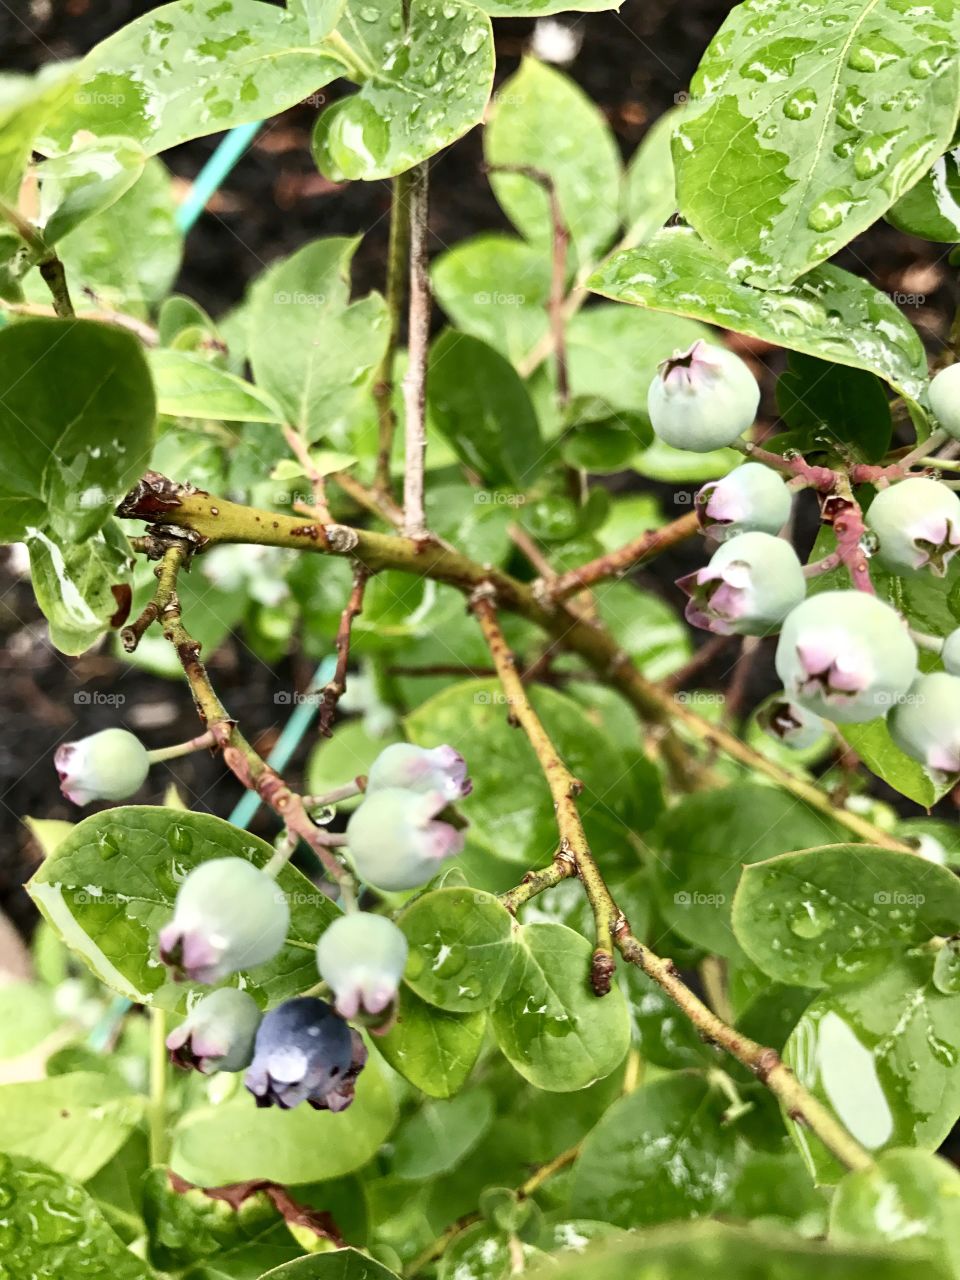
[748, 588]
[846, 656]
[305, 1053]
[917, 525]
[362, 957]
[217, 1034]
[751, 499]
[702, 399]
[944, 397]
[926, 724]
[229, 915]
[109, 765]
[396, 841]
[413, 768]
[950, 653]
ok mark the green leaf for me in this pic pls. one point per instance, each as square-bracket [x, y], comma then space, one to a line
[213, 1146]
[806, 125]
[748, 1253]
[344, 1264]
[883, 1056]
[26, 104]
[540, 8]
[226, 1240]
[704, 842]
[81, 586]
[52, 1227]
[85, 181]
[311, 349]
[189, 386]
[836, 914]
[85, 391]
[582, 160]
[548, 1022]
[829, 313]
[932, 208]
[878, 751]
[484, 1253]
[196, 67]
[659, 1153]
[128, 255]
[478, 403]
[438, 1136]
[649, 184]
[835, 403]
[74, 1123]
[425, 73]
[28, 1014]
[431, 1048]
[619, 791]
[460, 948]
[645, 626]
[908, 1197]
[111, 885]
[512, 314]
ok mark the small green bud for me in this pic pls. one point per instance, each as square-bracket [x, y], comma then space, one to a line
[702, 399]
[110, 765]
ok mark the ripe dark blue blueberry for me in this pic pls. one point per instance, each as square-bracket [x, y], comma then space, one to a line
[305, 1053]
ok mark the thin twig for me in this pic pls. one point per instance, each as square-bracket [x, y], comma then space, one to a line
[564, 788]
[397, 252]
[418, 339]
[318, 484]
[616, 563]
[337, 687]
[558, 277]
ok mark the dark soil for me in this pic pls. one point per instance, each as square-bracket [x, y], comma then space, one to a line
[633, 64]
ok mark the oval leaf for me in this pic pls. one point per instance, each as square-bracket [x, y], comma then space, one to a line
[460, 948]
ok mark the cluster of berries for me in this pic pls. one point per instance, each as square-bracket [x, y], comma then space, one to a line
[230, 916]
[842, 655]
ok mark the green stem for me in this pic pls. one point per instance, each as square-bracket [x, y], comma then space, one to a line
[182, 748]
[345, 53]
[397, 252]
[218, 521]
[158, 1087]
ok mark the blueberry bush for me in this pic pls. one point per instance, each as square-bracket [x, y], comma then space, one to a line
[558, 963]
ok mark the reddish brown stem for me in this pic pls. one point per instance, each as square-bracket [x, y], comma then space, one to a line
[616, 563]
[337, 687]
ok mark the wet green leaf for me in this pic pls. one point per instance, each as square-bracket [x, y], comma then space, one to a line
[932, 208]
[80, 586]
[237, 1140]
[649, 185]
[876, 748]
[312, 349]
[717, 1249]
[704, 842]
[838, 914]
[583, 161]
[829, 313]
[805, 125]
[658, 1154]
[540, 8]
[344, 1264]
[50, 1225]
[26, 104]
[478, 403]
[188, 386]
[460, 948]
[908, 1197]
[548, 1022]
[431, 1048]
[883, 1056]
[111, 885]
[76, 423]
[196, 67]
[85, 181]
[424, 72]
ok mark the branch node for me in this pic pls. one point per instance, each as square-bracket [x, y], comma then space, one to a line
[341, 538]
[768, 1062]
[601, 972]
